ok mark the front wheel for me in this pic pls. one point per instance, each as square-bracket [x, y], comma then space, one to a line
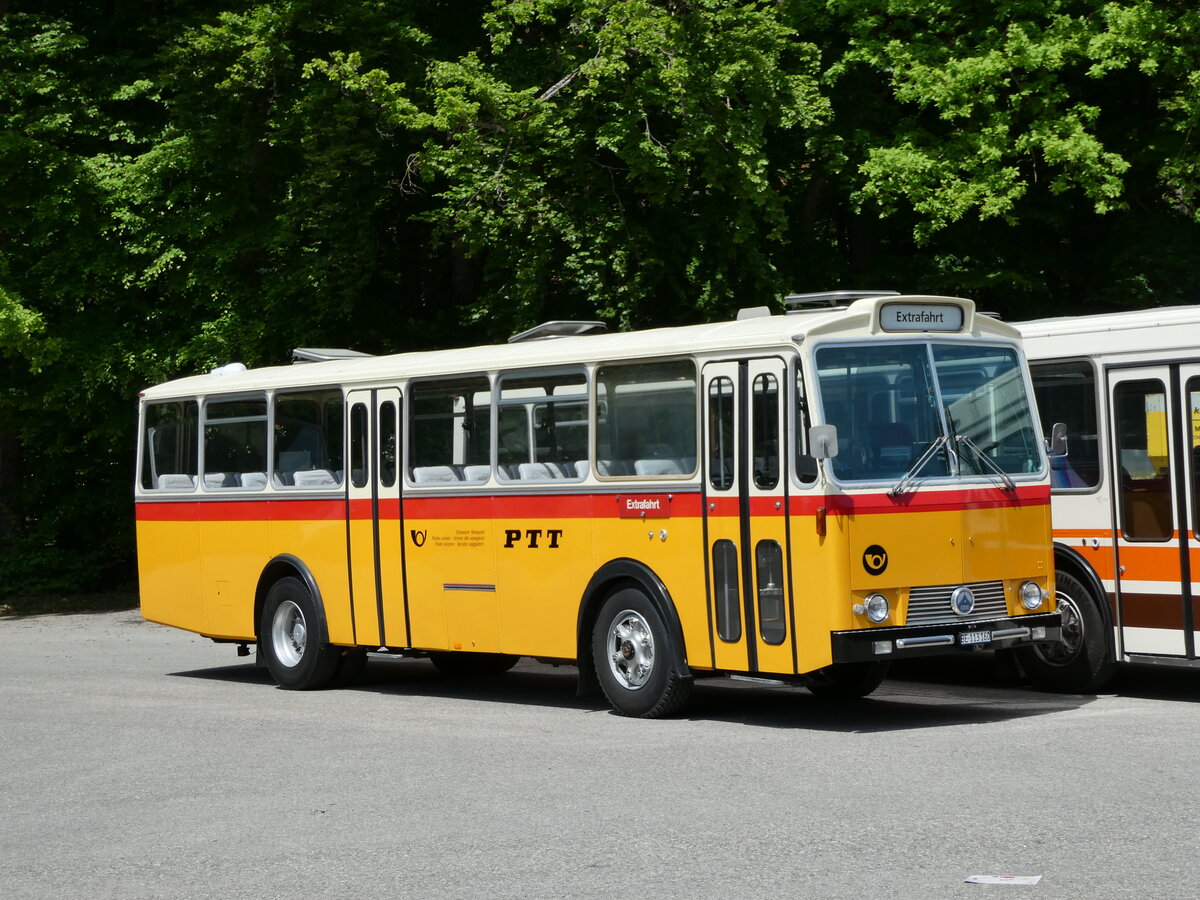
[634, 657]
[1081, 664]
[292, 637]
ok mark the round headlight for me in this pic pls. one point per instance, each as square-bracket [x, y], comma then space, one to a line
[1032, 595]
[877, 608]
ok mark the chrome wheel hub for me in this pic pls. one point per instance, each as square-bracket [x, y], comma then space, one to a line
[289, 633]
[1072, 633]
[631, 650]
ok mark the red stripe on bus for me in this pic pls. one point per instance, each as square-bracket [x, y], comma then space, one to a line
[577, 506]
[275, 510]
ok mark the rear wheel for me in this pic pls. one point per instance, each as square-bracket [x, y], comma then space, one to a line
[634, 658]
[848, 681]
[1081, 663]
[293, 640]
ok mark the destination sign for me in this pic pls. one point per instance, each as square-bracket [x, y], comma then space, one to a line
[920, 317]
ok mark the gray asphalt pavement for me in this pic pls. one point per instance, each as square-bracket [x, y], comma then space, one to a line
[139, 761]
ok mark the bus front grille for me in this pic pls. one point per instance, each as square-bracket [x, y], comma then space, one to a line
[931, 605]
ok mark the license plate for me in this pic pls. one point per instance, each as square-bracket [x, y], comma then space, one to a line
[967, 638]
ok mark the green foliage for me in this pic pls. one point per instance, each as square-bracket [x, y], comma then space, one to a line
[185, 184]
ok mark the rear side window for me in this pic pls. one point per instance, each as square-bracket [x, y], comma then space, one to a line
[235, 443]
[169, 457]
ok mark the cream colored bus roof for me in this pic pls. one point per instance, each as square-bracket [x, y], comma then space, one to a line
[1136, 331]
[743, 334]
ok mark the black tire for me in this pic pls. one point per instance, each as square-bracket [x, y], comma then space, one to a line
[848, 681]
[470, 665]
[634, 658]
[292, 636]
[1082, 665]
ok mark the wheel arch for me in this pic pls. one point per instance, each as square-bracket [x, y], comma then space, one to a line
[1069, 560]
[612, 576]
[287, 566]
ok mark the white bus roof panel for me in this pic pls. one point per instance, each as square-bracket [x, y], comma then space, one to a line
[860, 319]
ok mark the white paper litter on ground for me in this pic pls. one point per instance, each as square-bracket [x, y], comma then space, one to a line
[1004, 879]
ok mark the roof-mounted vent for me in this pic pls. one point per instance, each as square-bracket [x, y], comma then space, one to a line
[325, 354]
[558, 329]
[754, 312]
[830, 299]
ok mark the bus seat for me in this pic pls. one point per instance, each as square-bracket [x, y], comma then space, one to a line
[477, 473]
[176, 482]
[613, 467]
[536, 472]
[254, 480]
[220, 479]
[314, 478]
[433, 474]
[656, 467]
[581, 468]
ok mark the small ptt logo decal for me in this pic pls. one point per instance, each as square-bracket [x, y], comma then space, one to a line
[418, 537]
[875, 559]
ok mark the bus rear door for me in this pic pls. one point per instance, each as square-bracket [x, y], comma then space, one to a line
[374, 521]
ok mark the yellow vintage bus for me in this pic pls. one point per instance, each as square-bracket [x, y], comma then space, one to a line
[799, 498]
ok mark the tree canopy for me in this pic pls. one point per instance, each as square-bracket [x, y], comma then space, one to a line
[187, 183]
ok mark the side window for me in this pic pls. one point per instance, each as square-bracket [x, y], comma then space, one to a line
[307, 439]
[449, 436]
[764, 425]
[1066, 392]
[169, 446]
[1192, 427]
[806, 466]
[1144, 457]
[387, 444]
[646, 419]
[360, 441]
[721, 431]
[542, 430]
[235, 443]
[727, 598]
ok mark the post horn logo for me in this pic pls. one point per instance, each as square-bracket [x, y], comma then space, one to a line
[875, 559]
[418, 537]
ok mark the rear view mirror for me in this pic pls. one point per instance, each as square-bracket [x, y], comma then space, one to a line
[823, 441]
[1058, 439]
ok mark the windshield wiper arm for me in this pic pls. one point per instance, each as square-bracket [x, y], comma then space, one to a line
[987, 461]
[902, 485]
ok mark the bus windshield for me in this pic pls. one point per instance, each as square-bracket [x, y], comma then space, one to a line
[927, 410]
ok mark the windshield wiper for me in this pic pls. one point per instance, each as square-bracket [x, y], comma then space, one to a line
[902, 485]
[987, 461]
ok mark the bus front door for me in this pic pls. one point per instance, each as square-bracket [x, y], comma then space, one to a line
[373, 520]
[1152, 451]
[745, 505]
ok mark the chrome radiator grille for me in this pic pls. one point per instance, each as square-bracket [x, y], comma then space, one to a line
[931, 605]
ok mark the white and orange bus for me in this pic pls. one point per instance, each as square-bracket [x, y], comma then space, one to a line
[799, 498]
[1126, 493]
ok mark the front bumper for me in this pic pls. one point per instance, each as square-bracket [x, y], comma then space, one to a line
[871, 644]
